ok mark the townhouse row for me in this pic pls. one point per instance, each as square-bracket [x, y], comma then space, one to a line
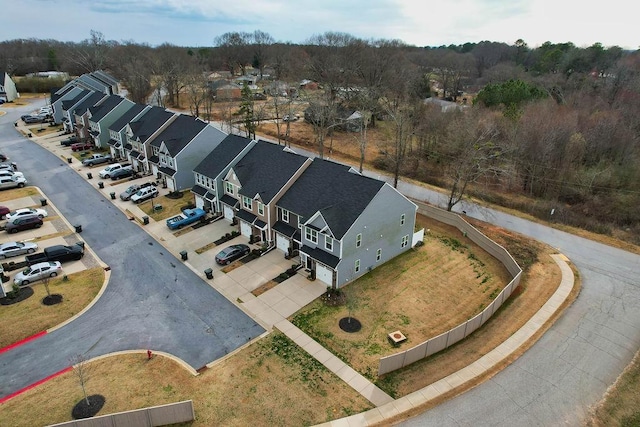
[337, 222]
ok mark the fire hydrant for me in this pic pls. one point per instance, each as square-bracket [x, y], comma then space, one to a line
[149, 354]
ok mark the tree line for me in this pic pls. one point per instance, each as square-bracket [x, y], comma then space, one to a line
[552, 130]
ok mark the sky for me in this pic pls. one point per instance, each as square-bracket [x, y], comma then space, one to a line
[197, 23]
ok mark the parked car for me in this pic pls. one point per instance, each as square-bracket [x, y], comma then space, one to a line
[11, 249]
[144, 194]
[121, 173]
[33, 119]
[37, 272]
[81, 146]
[12, 182]
[27, 222]
[60, 253]
[41, 213]
[288, 118]
[96, 159]
[133, 189]
[106, 172]
[187, 217]
[69, 141]
[7, 167]
[10, 173]
[4, 211]
[3, 158]
[231, 253]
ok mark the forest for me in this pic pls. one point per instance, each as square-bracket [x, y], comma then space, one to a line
[552, 131]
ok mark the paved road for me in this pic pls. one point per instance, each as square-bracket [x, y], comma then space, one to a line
[152, 300]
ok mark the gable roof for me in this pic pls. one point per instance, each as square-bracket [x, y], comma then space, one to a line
[102, 109]
[90, 101]
[179, 133]
[149, 123]
[127, 117]
[68, 103]
[222, 155]
[266, 169]
[334, 190]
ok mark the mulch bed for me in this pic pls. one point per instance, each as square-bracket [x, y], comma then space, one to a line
[264, 288]
[333, 298]
[82, 410]
[52, 299]
[23, 294]
[350, 324]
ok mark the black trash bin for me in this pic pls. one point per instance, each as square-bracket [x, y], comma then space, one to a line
[183, 255]
[100, 184]
[209, 273]
[81, 244]
[145, 220]
[78, 228]
[113, 195]
[89, 175]
[69, 159]
[43, 202]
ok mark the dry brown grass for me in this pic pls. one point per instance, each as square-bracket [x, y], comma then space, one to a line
[271, 382]
[30, 316]
[18, 193]
[170, 206]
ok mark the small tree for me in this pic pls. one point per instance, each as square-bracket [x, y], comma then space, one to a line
[80, 368]
[45, 282]
[246, 112]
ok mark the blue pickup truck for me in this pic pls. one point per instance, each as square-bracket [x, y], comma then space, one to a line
[187, 217]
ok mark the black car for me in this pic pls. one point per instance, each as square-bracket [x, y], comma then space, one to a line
[231, 253]
[69, 141]
[3, 158]
[121, 173]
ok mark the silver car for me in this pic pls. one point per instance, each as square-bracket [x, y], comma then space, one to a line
[37, 272]
[12, 182]
[11, 249]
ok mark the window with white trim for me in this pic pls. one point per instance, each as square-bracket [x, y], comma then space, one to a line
[284, 214]
[260, 208]
[247, 203]
[311, 235]
[357, 266]
[402, 218]
[359, 240]
[378, 254]
[328, 243]
[228, 187]
[405, 241]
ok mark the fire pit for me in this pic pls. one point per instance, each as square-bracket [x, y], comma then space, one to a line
[396, 337]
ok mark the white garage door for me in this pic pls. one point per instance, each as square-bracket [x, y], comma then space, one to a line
[245, 229]
[228, 212]
[171, 184]
[324, 274]
[199, 202]
[282, 243]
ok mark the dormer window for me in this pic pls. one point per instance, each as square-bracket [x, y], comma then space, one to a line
[228, 187]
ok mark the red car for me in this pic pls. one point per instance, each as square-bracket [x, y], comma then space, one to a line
[80, 146]
[3, 211]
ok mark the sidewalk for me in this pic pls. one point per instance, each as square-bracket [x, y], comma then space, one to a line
[272, 307]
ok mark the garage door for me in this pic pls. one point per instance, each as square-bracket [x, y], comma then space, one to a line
[228, 212]
[324, 274]
[282, 243]
[245, 229]
[199, 202]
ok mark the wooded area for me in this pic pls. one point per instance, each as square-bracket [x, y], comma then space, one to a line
[552, 130]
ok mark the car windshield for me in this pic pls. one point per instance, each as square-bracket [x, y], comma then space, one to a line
[27, 271]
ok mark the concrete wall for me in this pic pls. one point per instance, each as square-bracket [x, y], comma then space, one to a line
[425, 349]
[172, 413]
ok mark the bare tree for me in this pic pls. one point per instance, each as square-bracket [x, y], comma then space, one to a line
[134, 70]
[91, 54]
[81, 369]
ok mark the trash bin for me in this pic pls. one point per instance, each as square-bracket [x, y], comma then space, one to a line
[209, 273]
[183, 255]
[78, 228]
[81, 244]
[14, 165]
[113, 195]
[43, 202]
[100, 184]
[29, 135]
[145, 221]
[69, 159]
[89, 175]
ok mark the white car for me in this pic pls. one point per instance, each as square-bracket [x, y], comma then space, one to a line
[144, 194]
[6, 173]
[37, 272]
[11, 249]
[26, 211]
[12, 182]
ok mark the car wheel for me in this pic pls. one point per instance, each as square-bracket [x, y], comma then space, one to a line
[106, 176]
[13, 230]
[21, 185]
[79, 257]
[54, 274]
[38, 225]
[40, 216]
[227, 262]
[30, 251]
[24, 283]
[1, 256]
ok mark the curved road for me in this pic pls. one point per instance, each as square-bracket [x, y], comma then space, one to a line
[152, 301]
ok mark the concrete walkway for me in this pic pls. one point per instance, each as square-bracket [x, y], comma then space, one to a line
[272, 307]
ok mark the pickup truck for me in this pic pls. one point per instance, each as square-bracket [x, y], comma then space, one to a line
[106, 172]
[96, 159]
[188, 216]
[59, 253]
[81, 146]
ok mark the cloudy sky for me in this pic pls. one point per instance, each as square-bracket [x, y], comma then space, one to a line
[196, 23]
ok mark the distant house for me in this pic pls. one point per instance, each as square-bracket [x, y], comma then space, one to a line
[445, 106]
[341, 223]
[308, 84]
[223, 90]
[211, 171]
[179, 148]
[8, 91]
[255, 184]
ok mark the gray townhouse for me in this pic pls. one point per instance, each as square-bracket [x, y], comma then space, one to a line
[98, 81]
[69, 106]
[141, 132]
[79, 113]
[179, 148]
[341, 223]
[103, 115]
[210, 172]
[117, 130]
[255, 184]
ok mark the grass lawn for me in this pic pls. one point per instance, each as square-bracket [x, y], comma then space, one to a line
[18, 193]
[170, 206]
[30, 316]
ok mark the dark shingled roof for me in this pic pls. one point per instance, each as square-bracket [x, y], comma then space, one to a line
[328, 187]
[127, 117]
[90, 101]
[99, 111]
[266, 169]
[68, 103]
[149, 123]
[179, 133]
[222, 155]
